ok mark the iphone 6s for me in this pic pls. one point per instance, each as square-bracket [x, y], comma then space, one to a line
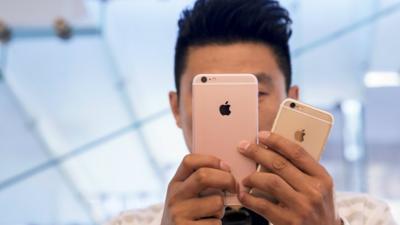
[225, 111]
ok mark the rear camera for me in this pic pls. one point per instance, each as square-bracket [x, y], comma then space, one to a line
[203, 79]
[292, 105]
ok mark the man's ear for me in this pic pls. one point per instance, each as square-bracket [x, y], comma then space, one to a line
[294, 92]
[174, 104]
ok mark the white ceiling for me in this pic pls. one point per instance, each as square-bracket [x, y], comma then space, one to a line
[41, 12]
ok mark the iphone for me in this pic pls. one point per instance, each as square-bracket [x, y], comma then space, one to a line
[225, 111]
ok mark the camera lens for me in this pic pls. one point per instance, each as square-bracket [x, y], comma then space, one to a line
[203, 79]
[292, 105]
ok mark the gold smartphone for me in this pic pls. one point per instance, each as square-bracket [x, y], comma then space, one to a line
[304, 125]
[225, 111]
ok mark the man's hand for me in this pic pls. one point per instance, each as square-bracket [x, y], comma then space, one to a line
[302, 187]
[196, 174]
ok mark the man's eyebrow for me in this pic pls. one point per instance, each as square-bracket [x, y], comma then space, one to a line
[263, 78]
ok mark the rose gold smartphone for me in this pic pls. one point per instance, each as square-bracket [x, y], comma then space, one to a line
[304, 125]
[225, 111]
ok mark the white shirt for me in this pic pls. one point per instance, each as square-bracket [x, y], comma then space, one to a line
[353, 209]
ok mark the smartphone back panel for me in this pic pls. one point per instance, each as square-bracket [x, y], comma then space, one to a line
[305, 125]
[225, 111]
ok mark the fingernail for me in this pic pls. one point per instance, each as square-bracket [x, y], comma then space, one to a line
[264, 134]
[224, 166]
[243, 146]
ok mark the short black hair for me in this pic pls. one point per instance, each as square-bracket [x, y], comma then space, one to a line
[230, 21]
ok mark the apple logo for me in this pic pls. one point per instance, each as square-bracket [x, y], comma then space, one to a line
[299, 135]
[224, 109]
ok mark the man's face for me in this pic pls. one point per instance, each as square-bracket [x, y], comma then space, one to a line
[243, 57]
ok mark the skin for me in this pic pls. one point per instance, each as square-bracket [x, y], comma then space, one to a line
[302, 187]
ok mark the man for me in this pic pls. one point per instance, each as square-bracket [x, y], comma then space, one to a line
[248, 36]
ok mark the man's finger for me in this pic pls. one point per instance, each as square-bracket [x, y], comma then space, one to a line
[274, 186]
[205, 178]
[198, 208]
[193, 162]
[291, 151]
[274, 163]
[270, 211]
[207, 222]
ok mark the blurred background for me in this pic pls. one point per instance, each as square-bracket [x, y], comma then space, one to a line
[85, 129]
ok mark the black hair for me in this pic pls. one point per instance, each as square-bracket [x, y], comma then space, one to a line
[230, 21]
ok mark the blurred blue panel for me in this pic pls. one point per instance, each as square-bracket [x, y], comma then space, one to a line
[44, 199]
[339, 63]
[382, 110]
[144, 49]
[73, 97]
[382, 115]
[67, 87]
[18, 148]
[116, 170]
